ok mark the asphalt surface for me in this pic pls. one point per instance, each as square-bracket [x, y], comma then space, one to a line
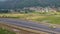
[30, 25]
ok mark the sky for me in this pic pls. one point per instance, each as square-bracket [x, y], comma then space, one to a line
[2, 0]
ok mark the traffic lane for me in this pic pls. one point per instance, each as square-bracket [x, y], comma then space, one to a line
[31, 24]
[28, 24]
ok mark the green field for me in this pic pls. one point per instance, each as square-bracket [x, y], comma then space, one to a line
[49, 17]
[4, 31]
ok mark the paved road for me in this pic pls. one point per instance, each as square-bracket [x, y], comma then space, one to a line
[30, 25]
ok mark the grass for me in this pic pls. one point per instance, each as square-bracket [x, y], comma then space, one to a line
[49, 17]
[4, 31]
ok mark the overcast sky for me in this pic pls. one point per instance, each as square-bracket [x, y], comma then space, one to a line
[2, 0]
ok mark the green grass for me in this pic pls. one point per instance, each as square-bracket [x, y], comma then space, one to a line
[4, 31]
[48, 17]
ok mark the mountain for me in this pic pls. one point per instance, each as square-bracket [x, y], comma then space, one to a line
[14, 4]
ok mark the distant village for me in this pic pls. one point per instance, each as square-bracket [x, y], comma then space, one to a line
[35, 9]
[43, 9]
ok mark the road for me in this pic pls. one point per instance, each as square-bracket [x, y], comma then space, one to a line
[30, 25]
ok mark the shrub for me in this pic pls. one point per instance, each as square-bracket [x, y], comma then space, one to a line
[4, 31]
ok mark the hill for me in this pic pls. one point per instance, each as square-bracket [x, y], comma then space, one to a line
[28, 3]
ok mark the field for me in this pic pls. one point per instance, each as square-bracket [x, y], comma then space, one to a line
[49, 17]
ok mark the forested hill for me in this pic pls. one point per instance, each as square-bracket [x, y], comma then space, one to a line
[28, 3]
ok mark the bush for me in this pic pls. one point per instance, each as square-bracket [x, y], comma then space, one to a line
[4, 31]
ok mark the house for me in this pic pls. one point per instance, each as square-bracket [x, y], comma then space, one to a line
[41, 9]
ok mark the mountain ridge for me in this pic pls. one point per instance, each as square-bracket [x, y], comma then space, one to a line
[13, 4]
